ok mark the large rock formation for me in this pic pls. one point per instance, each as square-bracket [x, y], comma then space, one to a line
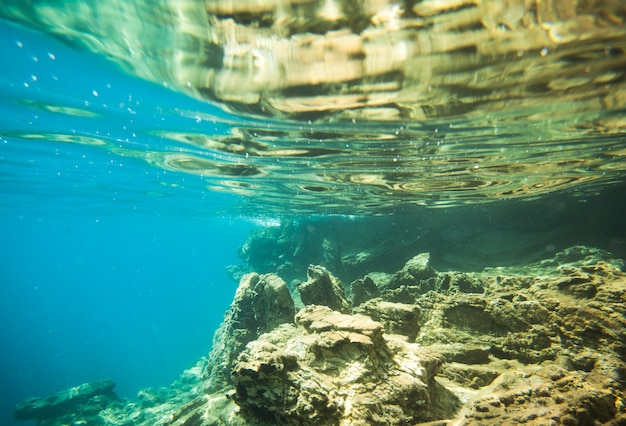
[348, 247]
[333, 369]
[262, 302]
[541, 344]
[466, 239]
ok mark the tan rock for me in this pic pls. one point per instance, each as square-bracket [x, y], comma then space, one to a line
[323, 288]
[396, 318]
[341, 369]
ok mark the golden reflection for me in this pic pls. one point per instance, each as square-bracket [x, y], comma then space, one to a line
[361, 105]
[188, 163]
[59, 109]
[57, 137]
[368, 60]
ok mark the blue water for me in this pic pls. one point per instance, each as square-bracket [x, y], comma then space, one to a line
[131, 297]
[108, 268]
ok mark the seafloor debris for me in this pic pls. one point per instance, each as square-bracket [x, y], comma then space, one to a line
[541, 344]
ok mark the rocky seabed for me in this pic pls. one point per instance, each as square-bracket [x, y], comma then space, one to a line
[543, 344]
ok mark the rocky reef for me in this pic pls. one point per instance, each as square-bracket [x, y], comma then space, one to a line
[537, 344]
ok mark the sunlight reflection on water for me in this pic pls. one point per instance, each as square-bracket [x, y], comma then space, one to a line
[435, 105]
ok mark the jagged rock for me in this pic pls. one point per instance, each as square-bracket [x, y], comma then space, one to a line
[272, 303]
[441, 282]
[543, 341]
[415, 270]
[323, 288]
[261, 303]
[533, 349]
[457, 282]
[363, 290]
[334, 368]
[396, 318]
[91, 397]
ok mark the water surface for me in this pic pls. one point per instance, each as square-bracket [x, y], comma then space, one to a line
[369, 109]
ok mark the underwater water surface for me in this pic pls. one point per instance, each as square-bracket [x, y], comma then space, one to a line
[125, 192]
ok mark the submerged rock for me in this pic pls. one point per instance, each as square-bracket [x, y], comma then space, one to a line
[348, 247]
[323, 288]
[333, 368]
[415, 270]
[396, 318]
[497, 347]
[262, 302]
[88, 397]
[364, 289]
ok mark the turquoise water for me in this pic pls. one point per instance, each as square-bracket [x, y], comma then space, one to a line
[94, 120]
[122, 202]
[108, 267]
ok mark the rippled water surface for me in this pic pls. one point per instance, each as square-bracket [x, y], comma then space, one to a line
[312, 107]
